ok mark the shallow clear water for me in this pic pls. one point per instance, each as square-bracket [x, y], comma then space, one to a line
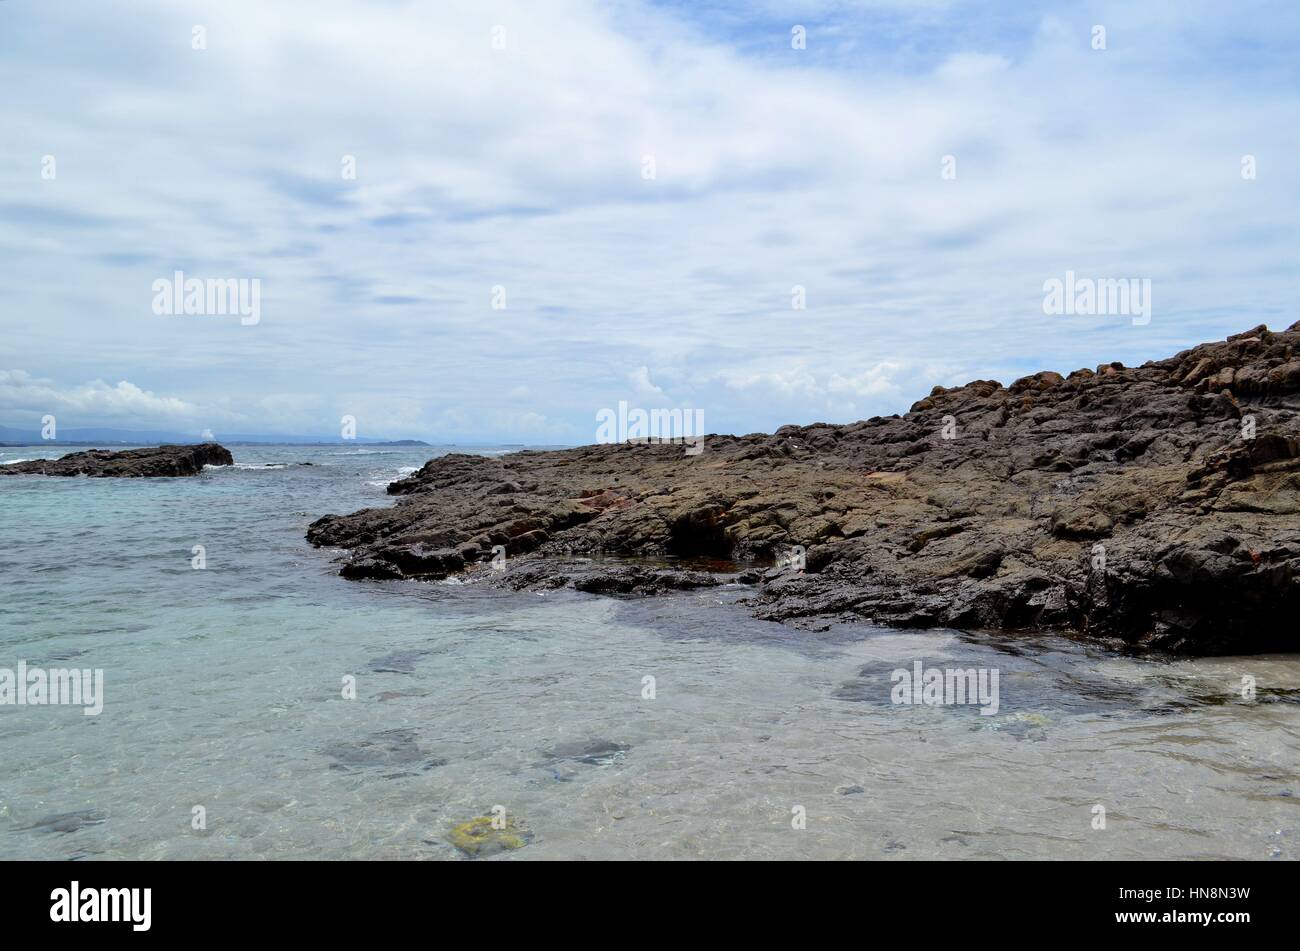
[224, 689]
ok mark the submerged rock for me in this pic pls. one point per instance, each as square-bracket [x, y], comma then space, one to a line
[480, 836]
[396, 662]
[66, 821]
[389, 748]
[154, 461]
[1153, 507]
[590, 752]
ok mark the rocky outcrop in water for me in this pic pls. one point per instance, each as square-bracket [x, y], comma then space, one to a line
[1155, 507]
[128, 463]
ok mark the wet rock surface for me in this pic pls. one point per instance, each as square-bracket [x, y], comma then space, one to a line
[1155, 507]
[153, 461]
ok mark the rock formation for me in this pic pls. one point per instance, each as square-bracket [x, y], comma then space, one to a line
[1155, 507]
[128, 463]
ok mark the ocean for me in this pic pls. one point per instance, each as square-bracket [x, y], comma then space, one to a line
[263, 707]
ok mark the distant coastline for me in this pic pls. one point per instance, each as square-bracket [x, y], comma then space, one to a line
[230, 442]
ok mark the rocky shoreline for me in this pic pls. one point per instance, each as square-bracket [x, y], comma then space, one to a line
[150, 462]
[1153, 508]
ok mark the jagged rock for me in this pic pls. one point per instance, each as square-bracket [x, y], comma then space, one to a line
[1145, 506]
[154, 461]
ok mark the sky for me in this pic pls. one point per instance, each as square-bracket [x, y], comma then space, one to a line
[643, 186]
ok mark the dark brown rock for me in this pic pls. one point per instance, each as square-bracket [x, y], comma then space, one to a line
[154, 461]
[1145, 506]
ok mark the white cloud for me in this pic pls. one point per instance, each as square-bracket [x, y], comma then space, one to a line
[824, 389]
[522, 168]
[121, 401]
[642, 385]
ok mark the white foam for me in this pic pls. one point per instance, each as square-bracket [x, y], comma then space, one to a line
[251, 465]
[402, 473]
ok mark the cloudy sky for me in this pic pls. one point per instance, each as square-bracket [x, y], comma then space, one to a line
[525, 168]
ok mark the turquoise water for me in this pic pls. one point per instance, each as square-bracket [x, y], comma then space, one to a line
[224, 691]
